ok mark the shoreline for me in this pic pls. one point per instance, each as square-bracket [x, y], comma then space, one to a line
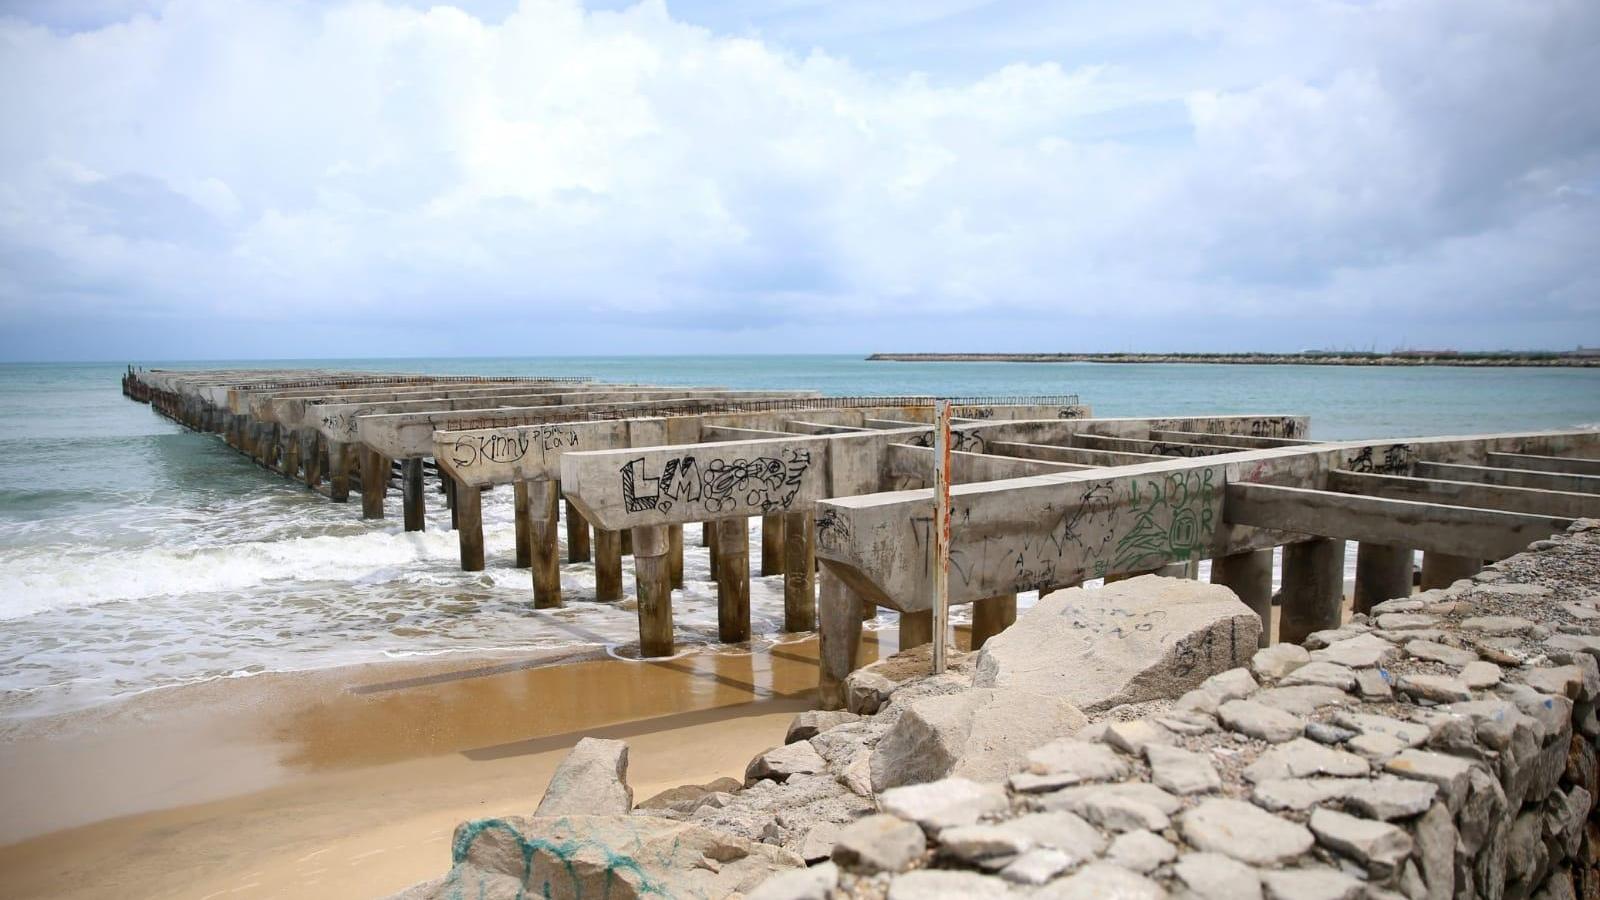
[350, 781]
[1460, 360]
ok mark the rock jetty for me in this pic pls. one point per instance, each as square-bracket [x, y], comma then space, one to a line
[1442, 746]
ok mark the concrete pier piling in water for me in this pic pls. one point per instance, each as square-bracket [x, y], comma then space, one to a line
[1046, 496]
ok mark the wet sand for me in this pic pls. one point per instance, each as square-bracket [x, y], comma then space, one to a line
[349, 782]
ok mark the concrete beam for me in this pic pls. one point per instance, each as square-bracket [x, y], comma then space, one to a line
[678, 485]
[1075, 456]
[1548, 481]
[1431, 527]
[1467, 493]
[411, 434]
[1561, 465]
[1241, 441]
[1152, 448]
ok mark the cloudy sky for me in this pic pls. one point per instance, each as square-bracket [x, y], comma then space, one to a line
[231, 178]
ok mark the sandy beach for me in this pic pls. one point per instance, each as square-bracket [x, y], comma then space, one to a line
[349, 782]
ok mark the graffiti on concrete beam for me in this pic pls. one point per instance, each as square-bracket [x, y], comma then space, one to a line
[757, 486]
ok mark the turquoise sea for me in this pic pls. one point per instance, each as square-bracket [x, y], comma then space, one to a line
[135, 555]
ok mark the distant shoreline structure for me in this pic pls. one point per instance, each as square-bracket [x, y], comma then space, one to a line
[1580, 358]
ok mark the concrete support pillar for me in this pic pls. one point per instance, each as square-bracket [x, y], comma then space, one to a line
[627, 541]
[450, 500]
[339, 472]
[838, 637]
[1383, 573]
[675, 554]
[708, 532]
[412, 494]
[916, 629]
[519, 504]
[374, 483]
[652, 578]
[1174, 570]
[991, 616]
[607, 565]
[577, 535]
[1441, 570]
[289, 453]
[772, 544]
[733, 579]
[312, 452]
[1249, 575]
[799, 571]
[1313, 588]
[544, 541]
[710, 536]
[267, 446]
[469, 526]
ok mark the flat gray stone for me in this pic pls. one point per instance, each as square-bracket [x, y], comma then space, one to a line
[1253, 719]
[1564, 681]
[1244, 832]
[1117, 807]
[1390, 798]
[1375, 747]
[1437, 688]
[975, 843]
[1406, 621]
[1480, 675]
[813, 722]
[1328, 733]
[1181, 771]
[1300, 794]
[1141, 851]
[1379, 846]
[1145, 638]
[1450, 656]
[1326, 674]
[1301, 758]
[1575, 643]
[815, 883]
[1411, 733]
[1213, 876]
[779, 763]
[1312, 883]
[1359, 652]
[946, 803]
[1060, 830]
[1496, 624]
[1317, 640]
[1084, 761]
[879, 843]
[1037, 866]
[939, 884]
[983, 734]
[1103, 881]
[1450, 774]
[1132, 737]
[592, 780]
[1301, 699]
[1278, 660]
[1374, 684]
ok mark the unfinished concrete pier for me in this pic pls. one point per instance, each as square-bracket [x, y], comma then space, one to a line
[1046, 496]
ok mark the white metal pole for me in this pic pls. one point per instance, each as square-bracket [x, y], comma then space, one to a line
[941, 532]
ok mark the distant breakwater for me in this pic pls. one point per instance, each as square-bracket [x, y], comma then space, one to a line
[1266, 359]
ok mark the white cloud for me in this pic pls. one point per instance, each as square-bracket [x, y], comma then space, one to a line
[273, 161]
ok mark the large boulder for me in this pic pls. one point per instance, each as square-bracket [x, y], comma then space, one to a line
[591, 781]
[983, 735]
[1141, 639]
[618, 857]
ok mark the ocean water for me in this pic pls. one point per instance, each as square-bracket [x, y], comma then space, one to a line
[135, 555]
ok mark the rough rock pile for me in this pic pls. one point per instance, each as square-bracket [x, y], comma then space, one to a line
[1443, 746]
